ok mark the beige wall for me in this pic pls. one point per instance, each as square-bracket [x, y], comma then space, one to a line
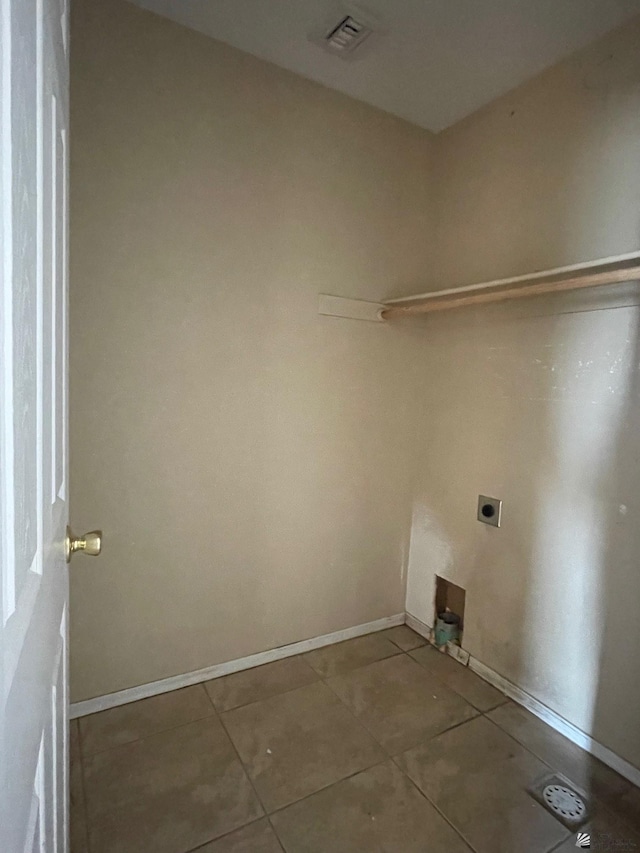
[247, 459]
[549, 174]
[539, 404]
[264, 474]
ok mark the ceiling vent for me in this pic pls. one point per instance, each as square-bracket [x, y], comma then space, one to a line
[344, 31]
[346, 36]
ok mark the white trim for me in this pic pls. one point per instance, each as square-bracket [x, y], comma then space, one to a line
[352, 309]
[629, 256]
[418, 626]
[165, 685]
[551, 718]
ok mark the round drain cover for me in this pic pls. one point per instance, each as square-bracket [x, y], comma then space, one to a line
[564, 802]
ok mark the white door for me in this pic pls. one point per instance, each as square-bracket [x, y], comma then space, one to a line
[33, 424]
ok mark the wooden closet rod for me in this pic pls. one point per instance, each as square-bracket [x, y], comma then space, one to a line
[596, 276]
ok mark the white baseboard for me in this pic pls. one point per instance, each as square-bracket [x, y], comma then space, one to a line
[165, 685]
[551, 718]
[558, 723]
[418, 625]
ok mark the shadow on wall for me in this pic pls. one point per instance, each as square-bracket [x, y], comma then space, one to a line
[539, 404]
[616, 694]
[582, 587]
[542, 411]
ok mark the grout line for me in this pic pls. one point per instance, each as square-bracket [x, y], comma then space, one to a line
[248, 775]
[407, 651]
[129, 743]
[80, 739]
[83, 788]
[277, 837]
[352, 713]
[273, 829]
[320, 680]
[518, 741]
[444, 731]
[505, 698]
[526, 748]
[323, 680]
[265, 698]
[595, 799]
[544, 761]
[557, 723]
[385, 760]
[214, 714]
[244, 767]
[150, 734]
[267, 814]
[209, 697]
[323, 788]
[344, 704]
[480, 714]
[439, 811]
[441, 681]
[368, 730]
[201, 684]
[87, 825]
[215, 711]
[564, 840]
[227, 834]
[417, 648]
[388, 757]
[344, 672]
[175, 682]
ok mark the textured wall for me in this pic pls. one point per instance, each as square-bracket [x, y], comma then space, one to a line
[256, 468]
[247, 459]
[539, 403]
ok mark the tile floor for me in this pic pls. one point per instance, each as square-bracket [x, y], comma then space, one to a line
[376, 745]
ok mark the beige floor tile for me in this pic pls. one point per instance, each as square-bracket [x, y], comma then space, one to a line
[342, 657]
[376, 811]
[608, 835]
[258, 837]
[74, 742]
[242, 688]
[298, 742]
[476, 775]
[459, 678]
[136, 720]
[77, 817]
[627, 807]
[167, 793]
[404, 638]
[400, 702]
[585, 771]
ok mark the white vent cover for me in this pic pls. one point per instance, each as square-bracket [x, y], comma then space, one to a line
[346, 36]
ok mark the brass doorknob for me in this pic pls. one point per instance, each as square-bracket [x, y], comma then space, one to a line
[90, 543]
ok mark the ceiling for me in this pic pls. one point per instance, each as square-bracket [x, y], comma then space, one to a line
[431, 62]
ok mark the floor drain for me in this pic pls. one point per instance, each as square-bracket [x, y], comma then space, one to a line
[565, 802]
[561, 798]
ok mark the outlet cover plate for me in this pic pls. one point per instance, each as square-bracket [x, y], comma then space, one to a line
[489, 510]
